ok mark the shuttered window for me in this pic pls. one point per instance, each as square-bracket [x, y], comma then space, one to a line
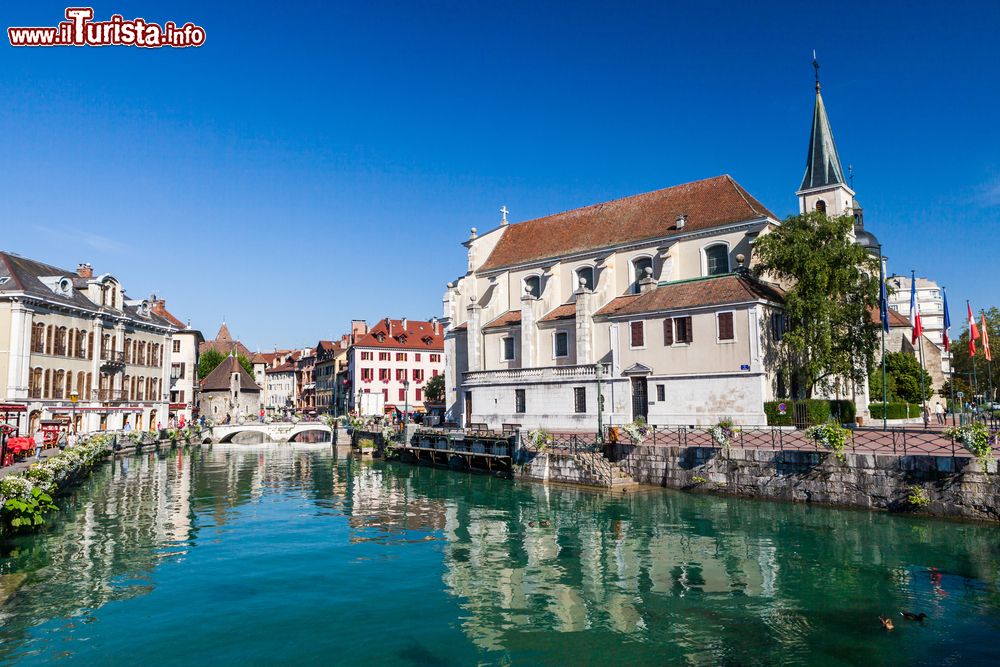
[638, 334]
[668, 331]
[726, 326]
[682, 330]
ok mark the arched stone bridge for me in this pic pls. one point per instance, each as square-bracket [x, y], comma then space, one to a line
[281, 432]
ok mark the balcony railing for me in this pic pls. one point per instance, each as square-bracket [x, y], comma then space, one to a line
[113, 358]
[547, 373]
[110, 395]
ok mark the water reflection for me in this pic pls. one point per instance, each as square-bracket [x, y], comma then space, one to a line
[522, 573]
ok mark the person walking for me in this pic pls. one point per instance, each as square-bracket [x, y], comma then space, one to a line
[939, 412]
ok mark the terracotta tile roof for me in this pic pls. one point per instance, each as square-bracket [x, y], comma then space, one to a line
[461, 327]
[417, 335]
[714, 291]
[567, 311]
[895, 319]
[218, 379]
[509, 319]
[287, 367]
[709, 203]
[225, 347]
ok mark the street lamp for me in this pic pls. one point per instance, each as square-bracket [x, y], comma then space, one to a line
[73, 398]
[406, 401]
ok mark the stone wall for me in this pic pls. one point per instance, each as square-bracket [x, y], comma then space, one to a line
[956, 487]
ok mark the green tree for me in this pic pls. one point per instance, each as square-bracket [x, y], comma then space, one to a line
[902, 379]
[962, 362]
[210, 359]
[834, 286]
[434, 390]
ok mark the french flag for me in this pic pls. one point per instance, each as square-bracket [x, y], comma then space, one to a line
[973, 331]
[947, 323]
[918, 329]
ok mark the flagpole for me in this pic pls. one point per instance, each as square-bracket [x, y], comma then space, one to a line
[988, 355]
[883, 313]
[972, 341]
[920, 345]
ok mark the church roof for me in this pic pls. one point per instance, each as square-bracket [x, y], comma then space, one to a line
[709, 203]
[223, 334]
[726, 289]
[218, 379]
[822, 163]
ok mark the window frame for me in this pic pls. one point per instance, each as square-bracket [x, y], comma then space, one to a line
[593, 276]
[503, 348]
[631, 334]
[520, 402]
[580, 400]
[688, 330]
[704, 258]
[524, 284]
[635, 273]
[718, 326]
[661, 393]
[555, 346]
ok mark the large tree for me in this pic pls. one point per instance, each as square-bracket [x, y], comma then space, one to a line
[832, 286]
[210, 359]
[903, 375]
[962, 362]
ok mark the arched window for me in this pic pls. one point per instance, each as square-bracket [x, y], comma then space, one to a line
[35, 383]
[38, 338]
[105, 346]
[89, 392]
[533, 286]
[48, 384]
[128, 351]
[61, 341]
[639, 266]
[90, 346]
[821, 206]
[585, 277]
[81, 385]
[50, 339]
[59, 377]
[69, 384]
[716, 259]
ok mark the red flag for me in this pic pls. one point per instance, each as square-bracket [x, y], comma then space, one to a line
[986, 340]
[973, 331]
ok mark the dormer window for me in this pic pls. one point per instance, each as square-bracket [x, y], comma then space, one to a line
[533, 286]
[585, 277]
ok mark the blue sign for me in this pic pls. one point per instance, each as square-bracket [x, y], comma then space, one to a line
[745, 367]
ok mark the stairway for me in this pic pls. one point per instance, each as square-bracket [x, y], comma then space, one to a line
[603, 472]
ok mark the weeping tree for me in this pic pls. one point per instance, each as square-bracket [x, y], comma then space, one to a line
[833, 288]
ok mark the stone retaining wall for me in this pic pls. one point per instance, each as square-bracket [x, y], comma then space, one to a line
[956, 487]
[560, 468]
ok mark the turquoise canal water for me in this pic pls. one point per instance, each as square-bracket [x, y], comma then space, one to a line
[279, 554]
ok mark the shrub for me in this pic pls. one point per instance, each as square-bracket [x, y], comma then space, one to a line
[779, 413]
[976, 438]
[916, 496]
[830, 435]
[894, 410]
[844, 411]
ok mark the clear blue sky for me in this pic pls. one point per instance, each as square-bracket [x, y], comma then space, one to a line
[317, 162]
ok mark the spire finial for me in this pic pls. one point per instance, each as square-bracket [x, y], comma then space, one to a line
[816, 67]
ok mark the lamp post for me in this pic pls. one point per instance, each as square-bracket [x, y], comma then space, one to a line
[406, 401]
[73, 398]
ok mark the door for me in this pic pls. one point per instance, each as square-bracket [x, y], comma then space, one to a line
[468, 408]
[640, 399]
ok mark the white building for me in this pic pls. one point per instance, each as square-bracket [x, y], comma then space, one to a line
[644, 301]
[280, 391]
[930, 302]
[66, 334]
[184, 355]
[396, 358]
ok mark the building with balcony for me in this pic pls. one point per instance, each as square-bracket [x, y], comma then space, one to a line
[280, 390]
[184, 357]
[930, 302]
[74, 346]
[331, 363]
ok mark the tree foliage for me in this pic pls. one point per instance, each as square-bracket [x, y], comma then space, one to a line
[962, 363]
[903, 372]
[833, 287]
[434, 390]
[210, 359]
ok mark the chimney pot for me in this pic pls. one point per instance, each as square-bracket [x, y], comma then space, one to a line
[681, 221]
[85, 270]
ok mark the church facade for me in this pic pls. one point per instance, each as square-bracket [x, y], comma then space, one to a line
[638, 308]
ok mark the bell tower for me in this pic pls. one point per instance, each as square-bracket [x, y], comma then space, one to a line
[823, 186]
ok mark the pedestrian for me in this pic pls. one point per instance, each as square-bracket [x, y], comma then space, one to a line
[939, 412]
[261, 415]
[71, 440]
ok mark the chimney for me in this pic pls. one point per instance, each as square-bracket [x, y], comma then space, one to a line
[388, 326]
[159, 306]
[404, 325]
[85, 270]
[434, 326]
[681, 221]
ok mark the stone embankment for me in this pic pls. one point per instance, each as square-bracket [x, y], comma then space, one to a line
[952, 486]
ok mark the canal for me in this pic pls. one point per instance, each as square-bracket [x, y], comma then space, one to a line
[287, 554]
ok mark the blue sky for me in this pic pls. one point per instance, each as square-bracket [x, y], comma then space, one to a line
[318, 162]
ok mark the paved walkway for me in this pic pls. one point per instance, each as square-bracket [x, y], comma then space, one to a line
[18, 466]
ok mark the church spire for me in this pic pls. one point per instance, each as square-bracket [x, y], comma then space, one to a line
[822, 163]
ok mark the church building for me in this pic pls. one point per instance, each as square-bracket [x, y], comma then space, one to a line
[638, 308]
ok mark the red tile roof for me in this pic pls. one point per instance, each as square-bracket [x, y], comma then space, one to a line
[895, 319]
[417, 335]
[509, 319]
[714, 291]
[709, 203]
[567, 311]
[287, 367]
